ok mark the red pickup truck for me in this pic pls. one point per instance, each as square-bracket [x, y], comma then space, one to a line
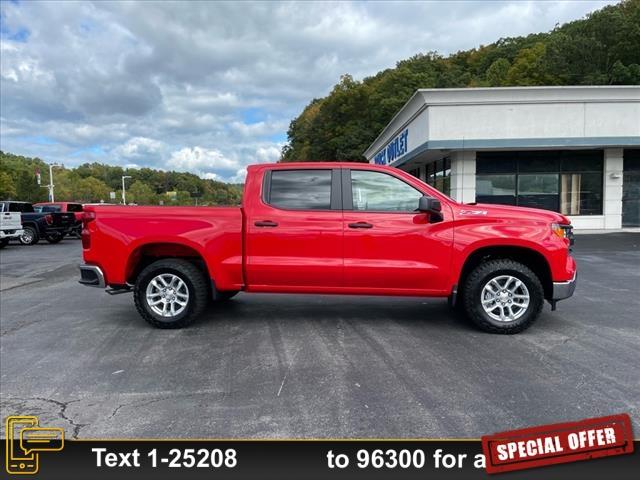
[65, 207]
[333, 228]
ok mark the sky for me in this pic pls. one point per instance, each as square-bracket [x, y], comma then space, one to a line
[210, 87]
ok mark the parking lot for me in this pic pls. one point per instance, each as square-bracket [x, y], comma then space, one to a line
[273, 366]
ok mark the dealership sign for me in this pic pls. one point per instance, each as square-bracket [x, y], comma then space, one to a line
[393, 150]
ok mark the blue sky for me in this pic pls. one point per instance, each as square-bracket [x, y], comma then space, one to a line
[210, 87]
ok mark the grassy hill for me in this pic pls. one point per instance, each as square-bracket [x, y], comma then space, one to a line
[92, 182]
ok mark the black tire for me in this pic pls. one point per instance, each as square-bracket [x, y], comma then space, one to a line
[481, 276]
[196, 283]
[224, 296]
[54, 237]
[4, 242]
[29, 236]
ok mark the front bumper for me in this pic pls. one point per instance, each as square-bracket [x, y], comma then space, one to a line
[562, 290]
[92, 276]
[10, 233]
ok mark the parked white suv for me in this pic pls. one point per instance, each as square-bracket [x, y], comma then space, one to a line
[10, 226]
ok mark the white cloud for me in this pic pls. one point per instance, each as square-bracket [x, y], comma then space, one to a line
[240, 176]
[268, 154]
[201, 159]
[139, 148]
[211, 87]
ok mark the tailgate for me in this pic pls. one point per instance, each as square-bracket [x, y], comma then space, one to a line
[63, 219]
[10, 221]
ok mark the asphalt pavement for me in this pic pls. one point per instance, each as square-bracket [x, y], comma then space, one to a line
[302, 366]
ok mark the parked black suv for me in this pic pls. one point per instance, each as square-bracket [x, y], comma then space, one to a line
[52, 226]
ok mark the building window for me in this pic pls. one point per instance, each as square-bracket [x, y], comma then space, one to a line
[569, 182]
[631, 189]
[415, 172]
[439, 175]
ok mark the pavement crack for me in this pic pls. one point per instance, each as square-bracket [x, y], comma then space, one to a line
[62, 413]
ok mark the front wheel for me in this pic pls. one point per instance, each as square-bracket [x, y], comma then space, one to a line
[502, 296]
[29, 236]
[4, 242]
[171, 293]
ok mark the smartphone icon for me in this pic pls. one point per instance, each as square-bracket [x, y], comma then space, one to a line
[18, 462]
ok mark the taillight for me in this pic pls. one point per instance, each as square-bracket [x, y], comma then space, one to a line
[48, 219]
[87, 218]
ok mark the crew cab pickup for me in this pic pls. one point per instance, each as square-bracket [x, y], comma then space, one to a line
[10, 226]
[65, 207]
[333, 228]
[52, 226]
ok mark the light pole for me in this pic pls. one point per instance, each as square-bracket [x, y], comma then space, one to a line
[51, 196]
[124, 198]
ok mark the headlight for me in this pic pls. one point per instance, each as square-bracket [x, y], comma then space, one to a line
[563, 231]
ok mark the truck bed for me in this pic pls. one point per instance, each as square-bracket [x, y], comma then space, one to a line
[212, 233]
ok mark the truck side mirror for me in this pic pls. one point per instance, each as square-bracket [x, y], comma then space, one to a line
[429, 205]
[432, 206]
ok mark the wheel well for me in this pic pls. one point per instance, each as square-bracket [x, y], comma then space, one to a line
[532, 259]
[147, 254]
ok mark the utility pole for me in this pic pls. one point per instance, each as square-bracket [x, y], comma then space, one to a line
[124, 198]
[51, 185]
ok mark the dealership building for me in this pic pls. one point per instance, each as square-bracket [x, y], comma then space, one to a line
[574, 150]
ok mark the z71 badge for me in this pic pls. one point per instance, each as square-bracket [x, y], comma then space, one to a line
[473, 212]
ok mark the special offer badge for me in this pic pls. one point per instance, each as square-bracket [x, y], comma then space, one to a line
[558, 443]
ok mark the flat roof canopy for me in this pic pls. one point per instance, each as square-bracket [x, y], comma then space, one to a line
[438, 120]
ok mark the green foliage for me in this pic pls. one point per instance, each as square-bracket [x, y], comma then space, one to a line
[7, 186]
[497, 72]
[142, 194]
[602, 49]
[90, 189]
[92, 182]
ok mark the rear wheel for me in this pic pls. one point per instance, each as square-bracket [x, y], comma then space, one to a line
[171, 293]
[4, 242]
[54, 237]
[502, 296]
[29, 236]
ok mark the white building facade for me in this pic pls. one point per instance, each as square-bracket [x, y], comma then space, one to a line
[575, 150]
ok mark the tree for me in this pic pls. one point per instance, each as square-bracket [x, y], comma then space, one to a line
[7, 187]
[27, 188]
[90, 190]
[92, 182]
[497, 73]
[141, 193]
[625, 75]
[529, 67]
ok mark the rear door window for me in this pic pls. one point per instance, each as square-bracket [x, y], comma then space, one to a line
[21, 207]
[74, 207]
[304, 189]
